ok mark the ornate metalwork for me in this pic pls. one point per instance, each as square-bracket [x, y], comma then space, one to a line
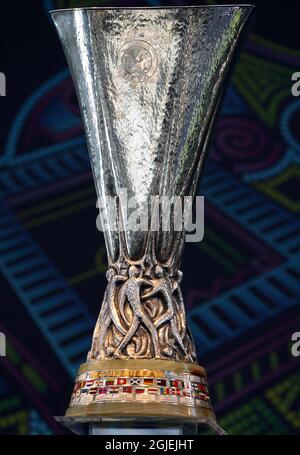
[142, 316]
[149, 82]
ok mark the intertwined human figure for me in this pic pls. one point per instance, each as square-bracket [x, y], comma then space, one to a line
[163, 285]
[131, 291]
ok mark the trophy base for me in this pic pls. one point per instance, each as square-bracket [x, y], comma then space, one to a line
[142, 388]
[94, 426]
[142, 409]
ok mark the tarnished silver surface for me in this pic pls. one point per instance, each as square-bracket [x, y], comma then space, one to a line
[149, 83]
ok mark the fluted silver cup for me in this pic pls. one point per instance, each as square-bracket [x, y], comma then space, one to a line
[148, 82]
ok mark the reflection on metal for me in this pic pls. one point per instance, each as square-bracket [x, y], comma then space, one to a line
[149, 82]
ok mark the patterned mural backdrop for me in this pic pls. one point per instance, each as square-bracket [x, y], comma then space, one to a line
[242, 283]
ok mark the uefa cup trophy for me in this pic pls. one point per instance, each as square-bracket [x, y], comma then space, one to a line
[149, 82]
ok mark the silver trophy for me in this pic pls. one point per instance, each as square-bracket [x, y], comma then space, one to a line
[149, 83]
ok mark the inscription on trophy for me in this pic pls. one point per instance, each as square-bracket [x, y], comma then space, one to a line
[137, 61]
